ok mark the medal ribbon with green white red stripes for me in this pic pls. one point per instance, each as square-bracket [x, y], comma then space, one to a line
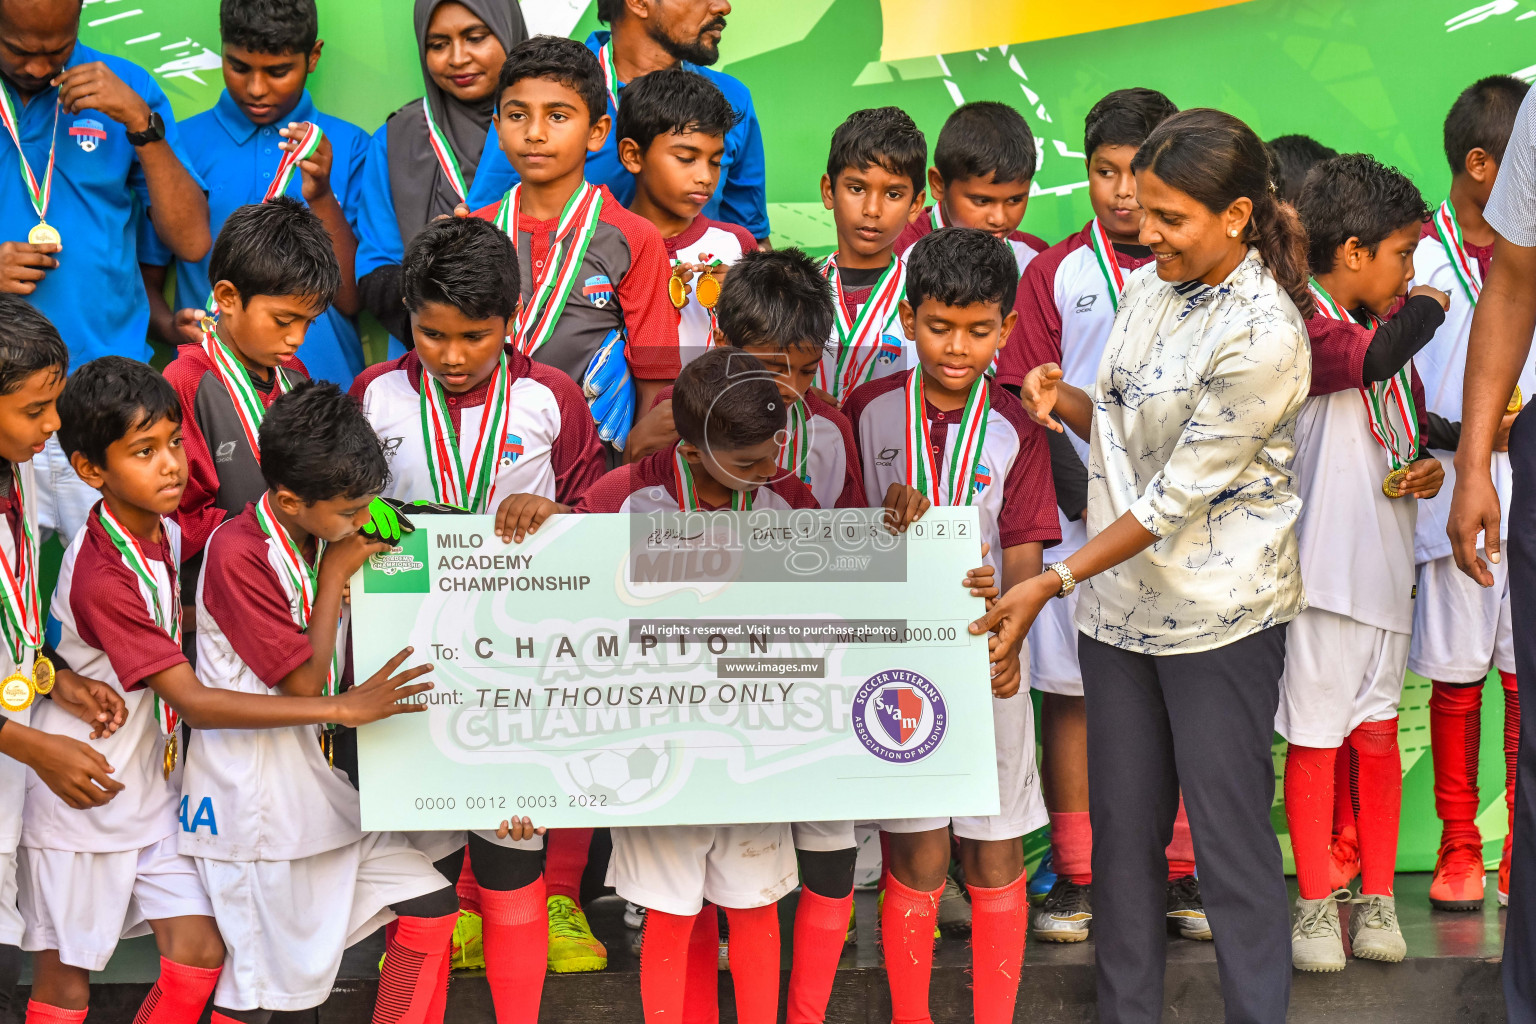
[23, 619]
[956, 484]
[1463, 266]
[132, 554]
[465, 483]
[795, 455]
[444, 152]
[237, 381]
[610, 73]
[39, 194]
[302, 577]
[307, 144]
[858, 340]
[1382, 397]
[552, 286]
[688, 494]
[936, 217]
[1104, 254]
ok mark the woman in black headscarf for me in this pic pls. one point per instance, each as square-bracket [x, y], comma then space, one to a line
[423, 159]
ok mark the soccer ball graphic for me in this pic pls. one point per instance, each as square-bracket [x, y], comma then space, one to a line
[625, 775]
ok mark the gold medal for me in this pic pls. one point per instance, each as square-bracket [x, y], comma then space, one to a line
[328, 741]
[708, 290]
[1392, 486]
[16, 693]
[43, 675]
[1516, 401]
[677, 286]
[44, 234]
[170, 753]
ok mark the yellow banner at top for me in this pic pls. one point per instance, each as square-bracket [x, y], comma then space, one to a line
[921, 28]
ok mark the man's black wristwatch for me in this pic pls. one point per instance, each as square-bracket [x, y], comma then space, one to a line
[154, 133]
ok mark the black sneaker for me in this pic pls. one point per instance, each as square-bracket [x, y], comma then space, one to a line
[1187, 910]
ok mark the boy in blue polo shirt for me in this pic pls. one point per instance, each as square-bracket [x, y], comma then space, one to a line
[675, 35]
[270, 49]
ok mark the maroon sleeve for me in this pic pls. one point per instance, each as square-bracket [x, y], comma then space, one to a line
[577, 455]
[1036, 335]
[913, 231]
[1029, 493]
[664, 395]
[112, 616]
[794, 491]
[610, 491]
[197, 515]
[649, 319]
[1035, 242]
[852, 495]
[1338, 354]
[242, 593]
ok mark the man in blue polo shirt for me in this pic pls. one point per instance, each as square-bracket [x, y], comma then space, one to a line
[113, 136]
[271, 47]
[645, 36]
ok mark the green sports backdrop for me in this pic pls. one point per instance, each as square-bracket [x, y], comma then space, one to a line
[1359, 75]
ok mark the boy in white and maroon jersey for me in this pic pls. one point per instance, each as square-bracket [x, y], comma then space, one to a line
[1066, 305]
[671, 135]
[1461, 630]
[527, 447]
[874, 188]
[730, 415]
[91, 876]
[944, 433]
[264, 815]
[1360, 463]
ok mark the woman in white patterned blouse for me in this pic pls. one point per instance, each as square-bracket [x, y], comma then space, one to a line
[1191, 573]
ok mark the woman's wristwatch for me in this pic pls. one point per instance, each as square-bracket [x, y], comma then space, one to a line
[1068, 581]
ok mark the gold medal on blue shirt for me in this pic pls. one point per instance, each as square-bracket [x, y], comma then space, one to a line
[44, 234]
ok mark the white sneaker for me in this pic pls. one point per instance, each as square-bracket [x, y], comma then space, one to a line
[1065, 915]
[1187, 910]
[634, 917]
[1316, 943]
[1373, 930]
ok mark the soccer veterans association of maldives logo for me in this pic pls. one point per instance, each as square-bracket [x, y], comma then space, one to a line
[899, 716]
[511, 449]
[88, 133]
[983, 478]
[598, 290]
[890, 349]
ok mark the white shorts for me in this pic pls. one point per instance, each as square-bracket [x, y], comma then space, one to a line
[1460, 628]
[824, 836]
[286, 923]
[1022, 808]
[1338, 673]
[12, 927]
[1053, 649]
[81, 904]
[13, 788]
[675, 868]
[63, 499]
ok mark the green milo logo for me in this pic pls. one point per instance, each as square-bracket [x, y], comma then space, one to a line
[402, 569]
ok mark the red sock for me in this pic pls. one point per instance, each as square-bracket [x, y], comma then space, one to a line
[1455, 733]
[412, 968]
[180, 994]
[701, 997]
[999, 920]
[663, 965]
[516, 935]
[1072, 846]
[1381, 802]
[565, 861]
[1309, 815]
[821, 924]
[439, 1006]
[468, 887]
[755, 962]
[42, 1013]
[906, 932]
[1181, 851]
[1511, 740]
[1345, 789]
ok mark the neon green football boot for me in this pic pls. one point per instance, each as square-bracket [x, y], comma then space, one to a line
[572, 947]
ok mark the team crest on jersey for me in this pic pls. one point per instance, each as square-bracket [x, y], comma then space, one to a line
[899, 716]
[511, 449]
[983, 478]
[598, 290]
[889, 350]
[88, 133]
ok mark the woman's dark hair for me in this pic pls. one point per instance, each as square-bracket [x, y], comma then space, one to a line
[1215, 159]
[464, 262]
[776, 297]
[316, 442]
[28, 343]
[109, 398]
[727, 400]
[985, 140]
[277, 247]
[273, 27]
[1291, 157]
[962, 267]
[672, 101]
[560, 60]
[1354, 196]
